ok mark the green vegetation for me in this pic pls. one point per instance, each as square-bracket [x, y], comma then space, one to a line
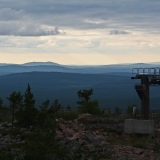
[87, 105]
[29, 109]
[129, 110]
[69, 115]
[1, 103]
[84, 95]
[15, 101]
[157, 147]
[40, 144]
[117, 111]
[134, 140]
[39, 128]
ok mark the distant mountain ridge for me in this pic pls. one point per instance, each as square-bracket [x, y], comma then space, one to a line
[40, 63]
[87, 69]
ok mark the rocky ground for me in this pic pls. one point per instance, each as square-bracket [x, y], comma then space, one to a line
[94, 133]
[92, 137]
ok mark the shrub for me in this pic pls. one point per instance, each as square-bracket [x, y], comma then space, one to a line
[70, 115]
[90, 107]
[140, 145]
[156, 147]
[118, 111]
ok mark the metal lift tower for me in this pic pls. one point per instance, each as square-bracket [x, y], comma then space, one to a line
[148, 76]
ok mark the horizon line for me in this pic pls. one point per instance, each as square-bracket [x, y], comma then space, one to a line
[77, 64]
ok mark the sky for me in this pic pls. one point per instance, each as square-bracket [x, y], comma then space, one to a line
[80, 32]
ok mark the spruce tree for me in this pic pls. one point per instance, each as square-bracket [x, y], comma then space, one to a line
[1, 103]
[87, 105]
[16, 100]
[84, 95]
[30, 111]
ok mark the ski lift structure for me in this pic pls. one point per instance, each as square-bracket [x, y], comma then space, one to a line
[148, 77]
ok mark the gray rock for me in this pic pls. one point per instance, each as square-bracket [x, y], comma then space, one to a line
[99, 138]
[89, 138]
[99, 149]
[9, 124]
[23, 129]
[92, 149]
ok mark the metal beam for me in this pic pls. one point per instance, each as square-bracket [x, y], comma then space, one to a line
[145, 98]
[148, 76]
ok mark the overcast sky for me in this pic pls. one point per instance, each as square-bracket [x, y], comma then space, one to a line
[80, 31]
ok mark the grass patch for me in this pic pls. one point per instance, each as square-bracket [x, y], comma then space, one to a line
[140, 145]
[4, 118]
[111, 130]
[70, 115]
[133, 140]
[5, 156]
[13, 132]
[16, 145]
[156, 147]
[117, 141]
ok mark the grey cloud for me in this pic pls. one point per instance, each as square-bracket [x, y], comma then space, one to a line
[117, 32]
[122, 14]
[33, 30]
[18, 29]
[8, 14]
[74, 6]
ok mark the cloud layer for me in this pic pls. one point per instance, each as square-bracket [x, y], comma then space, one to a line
[80, 27]
[31, 16]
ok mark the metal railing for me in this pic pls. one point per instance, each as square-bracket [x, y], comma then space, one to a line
[146, 71]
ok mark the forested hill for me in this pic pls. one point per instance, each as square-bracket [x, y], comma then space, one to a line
[54, 67]
[111, 91]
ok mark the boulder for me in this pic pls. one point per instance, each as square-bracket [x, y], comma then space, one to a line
[91, 148]
[158, 130]
[61, 126]
[97, 131]
[59, 133]
[82, 142]
[62, 121]
[76, 136]
[105, 133]
[89, 138]
[87, 118]
[99, 139]
[68, 132]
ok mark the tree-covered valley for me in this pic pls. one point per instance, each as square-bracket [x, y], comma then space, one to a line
[110, 90]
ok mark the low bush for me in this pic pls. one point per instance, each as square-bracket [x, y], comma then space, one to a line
[69, 115]
[140, 145]
[91, 107]
[156, 147]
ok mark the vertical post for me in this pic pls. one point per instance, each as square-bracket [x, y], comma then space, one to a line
[145, 98]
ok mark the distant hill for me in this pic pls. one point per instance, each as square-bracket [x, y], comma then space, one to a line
[40, 63]
[126, 69]
[110, 90]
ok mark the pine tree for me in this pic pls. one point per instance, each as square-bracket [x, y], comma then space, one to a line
[87, 105]
[30, 111]
[44, 105]
[1, 103]
[118, 111]
[16, 100]
[43, 113]
[55, 107]
[84, 95]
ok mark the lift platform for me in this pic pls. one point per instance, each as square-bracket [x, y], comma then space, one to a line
[148, 77]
